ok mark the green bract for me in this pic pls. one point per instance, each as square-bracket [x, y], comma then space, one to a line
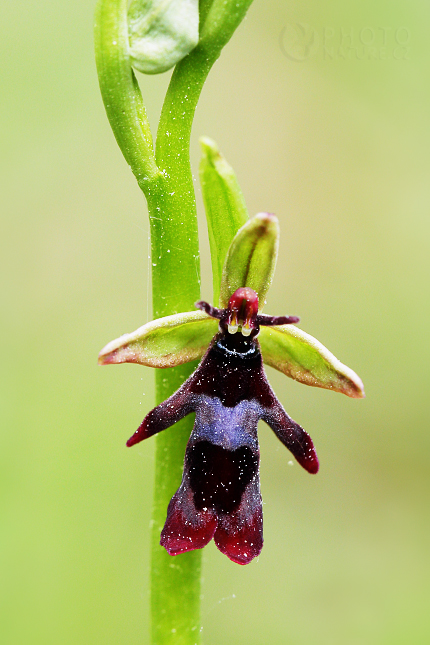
[161, 33]
[181, 338]
[224, 204]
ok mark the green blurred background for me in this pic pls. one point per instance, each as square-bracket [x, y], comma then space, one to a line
[336, 142]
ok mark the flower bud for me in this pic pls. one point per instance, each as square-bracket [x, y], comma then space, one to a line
[161, 33]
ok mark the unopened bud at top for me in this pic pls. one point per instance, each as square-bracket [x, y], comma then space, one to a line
[161, 33]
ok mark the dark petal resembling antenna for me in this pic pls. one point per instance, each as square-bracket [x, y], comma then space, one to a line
[292, 436]
[214, 312]
[270, 321]
[165, 415]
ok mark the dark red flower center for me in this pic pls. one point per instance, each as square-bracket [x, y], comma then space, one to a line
[242, 314]
[242, 310]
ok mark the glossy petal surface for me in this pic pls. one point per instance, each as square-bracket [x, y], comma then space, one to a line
[303, 358]
[165, 342]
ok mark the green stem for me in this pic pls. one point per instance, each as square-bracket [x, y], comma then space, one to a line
[120, 91]
[166, 179]
[175, 584]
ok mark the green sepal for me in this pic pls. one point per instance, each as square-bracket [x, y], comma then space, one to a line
[161, 33]
[251, 258]
[165, 342]
[303, 358]
[224, 205]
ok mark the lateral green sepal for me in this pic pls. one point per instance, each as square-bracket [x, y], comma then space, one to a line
[303, 358]
[224, 205]
[165, 342]
[251, 258]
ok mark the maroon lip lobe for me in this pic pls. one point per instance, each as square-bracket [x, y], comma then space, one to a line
[219, 496]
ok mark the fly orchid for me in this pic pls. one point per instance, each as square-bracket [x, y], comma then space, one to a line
[219, 496]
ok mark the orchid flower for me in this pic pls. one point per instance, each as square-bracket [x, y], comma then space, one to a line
[219, 496]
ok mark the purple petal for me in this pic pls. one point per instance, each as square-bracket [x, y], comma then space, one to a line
[164, 415]
[220, 484]
[271, 321]
[292, 436]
